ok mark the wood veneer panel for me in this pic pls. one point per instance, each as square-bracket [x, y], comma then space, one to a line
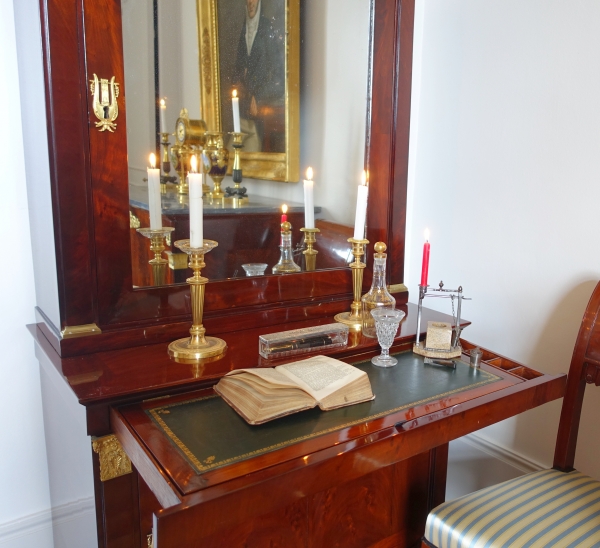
[389, 502]
[399, 178]
[390, 127]
[284, 528]
[66, 110]
[139, 372]
[117, 511]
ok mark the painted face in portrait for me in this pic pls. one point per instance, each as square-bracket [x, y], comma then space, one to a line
[252, 6]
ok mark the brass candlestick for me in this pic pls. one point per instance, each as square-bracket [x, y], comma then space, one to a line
[180, 158]
[353, 319]
[218, 156]
[237, 195]
[197, 346]
[158, 264]
[165, 178]
[310, 254]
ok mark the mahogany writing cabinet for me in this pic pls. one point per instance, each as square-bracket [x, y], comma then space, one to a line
[364, 475]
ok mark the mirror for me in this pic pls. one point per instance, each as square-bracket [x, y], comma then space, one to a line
[162, 58]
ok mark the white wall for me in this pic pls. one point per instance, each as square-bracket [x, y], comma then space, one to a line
[505, 171]
[23, 471]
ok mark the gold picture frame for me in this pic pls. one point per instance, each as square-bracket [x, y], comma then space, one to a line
[283, 164]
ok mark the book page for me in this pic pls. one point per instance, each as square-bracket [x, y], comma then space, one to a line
[320, 376]
[272, 376]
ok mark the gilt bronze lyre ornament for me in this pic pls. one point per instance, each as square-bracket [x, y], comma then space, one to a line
[104, 102]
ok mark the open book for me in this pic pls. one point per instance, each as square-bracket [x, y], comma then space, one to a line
[260, 395]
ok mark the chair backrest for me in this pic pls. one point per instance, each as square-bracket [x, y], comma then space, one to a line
[585, 368]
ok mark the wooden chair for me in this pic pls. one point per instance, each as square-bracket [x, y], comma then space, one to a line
[552, 508]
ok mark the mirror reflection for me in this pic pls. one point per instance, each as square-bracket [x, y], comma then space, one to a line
[163, 61]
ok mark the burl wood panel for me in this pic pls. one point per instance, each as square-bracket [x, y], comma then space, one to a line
[387, 507]
[387, 503]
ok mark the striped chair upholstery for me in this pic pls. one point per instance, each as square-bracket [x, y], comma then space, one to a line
[542, 509]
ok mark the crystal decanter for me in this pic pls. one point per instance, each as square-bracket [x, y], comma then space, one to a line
[378, 296]
[286, 262]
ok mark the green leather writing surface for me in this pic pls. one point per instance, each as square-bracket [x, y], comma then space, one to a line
[210, 434]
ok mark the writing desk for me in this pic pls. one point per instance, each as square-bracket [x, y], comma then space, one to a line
[364, 475]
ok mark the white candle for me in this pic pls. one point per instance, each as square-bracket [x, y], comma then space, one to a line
[235, 103]
[309, 202]
[196, 205]
[154, 205]
[163, 116]
[361, 209]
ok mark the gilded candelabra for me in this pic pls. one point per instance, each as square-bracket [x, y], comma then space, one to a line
[218, 157]
[197, 346]
[310, 254]
[158, 264]
[237, 195]
[353, 319]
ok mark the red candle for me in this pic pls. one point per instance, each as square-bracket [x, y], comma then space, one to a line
[425, 268]
[284, 213]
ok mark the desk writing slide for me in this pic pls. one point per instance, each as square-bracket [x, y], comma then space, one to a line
[264, 394]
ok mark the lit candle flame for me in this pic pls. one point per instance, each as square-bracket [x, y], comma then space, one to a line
[364, 178]
[426, 234]
[194, 164]
[163, 104]
[234, 93]
[153, 160]
[309, 173]
[284, 209]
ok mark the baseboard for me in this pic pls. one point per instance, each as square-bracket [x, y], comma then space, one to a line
[501, 453]
[42, 524]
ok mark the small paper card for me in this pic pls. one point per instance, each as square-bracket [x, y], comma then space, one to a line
[439, 336]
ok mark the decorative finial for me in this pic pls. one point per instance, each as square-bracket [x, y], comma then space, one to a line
[380, 248]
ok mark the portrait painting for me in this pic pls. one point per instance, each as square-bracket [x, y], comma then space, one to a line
[251, 48]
